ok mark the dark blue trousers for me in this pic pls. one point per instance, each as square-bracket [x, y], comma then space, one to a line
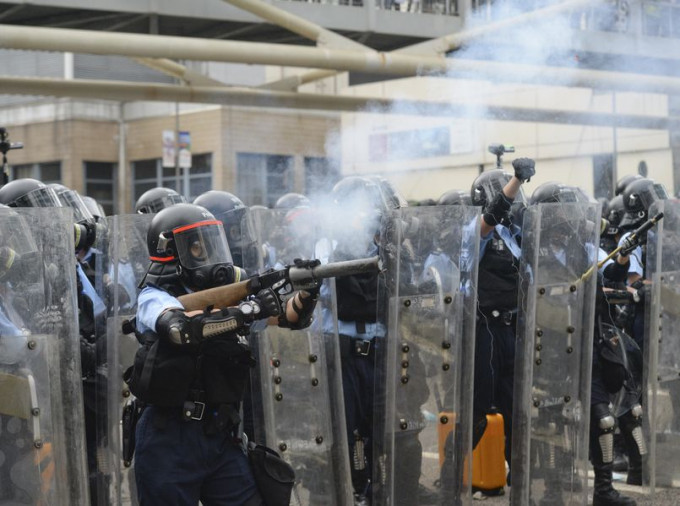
[179, 465]
[358, 390]
[495, 373]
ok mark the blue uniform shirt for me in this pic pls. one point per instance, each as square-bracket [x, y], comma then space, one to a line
[151, 303]
[98, 305]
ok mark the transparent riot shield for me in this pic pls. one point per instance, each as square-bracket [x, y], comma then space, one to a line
[296, 390]
[127, 259]
[31, 471]
[661, 401]
[424, 369]
[38, 299]
[553, 354]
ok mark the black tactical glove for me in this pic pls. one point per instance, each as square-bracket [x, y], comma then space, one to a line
[88, 358]
[268, 302]
[629, 244]
[524, 169]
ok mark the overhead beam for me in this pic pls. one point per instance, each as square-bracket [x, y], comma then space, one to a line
[158, 46]
[174, 69]
[116, 90]
[447, 43]
[456, 40]
[296, 24]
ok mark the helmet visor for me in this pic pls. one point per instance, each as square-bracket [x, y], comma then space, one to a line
[201, 244]
[40, 197]
[232, 221]
[489, 187]
[161, 203]
[72, 199]
[653, 193]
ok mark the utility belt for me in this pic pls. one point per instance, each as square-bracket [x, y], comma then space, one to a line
[357, 347]
[217, 418]
[498, 316]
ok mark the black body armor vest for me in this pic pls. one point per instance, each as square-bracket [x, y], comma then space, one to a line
[498, 277]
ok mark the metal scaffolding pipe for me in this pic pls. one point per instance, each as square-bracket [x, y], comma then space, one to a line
[455, 40]
[296, 24]
[446, 43]
[116, 90]
[157, 46]
[174, 69]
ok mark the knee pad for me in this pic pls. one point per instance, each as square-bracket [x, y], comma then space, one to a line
[605, 431]
[631, 426]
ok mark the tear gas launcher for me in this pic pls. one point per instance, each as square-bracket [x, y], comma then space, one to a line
[302, 275]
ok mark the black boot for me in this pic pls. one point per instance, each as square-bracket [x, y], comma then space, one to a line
[634, 467]
[604, 494]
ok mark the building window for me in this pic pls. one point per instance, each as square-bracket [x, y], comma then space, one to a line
[262, 179]
[320, 176]
[193, 182]
[100, 184]
[47, 172]
[409, 144]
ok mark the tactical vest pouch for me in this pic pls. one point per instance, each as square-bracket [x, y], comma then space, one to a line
[225, 369]
[357, 297]
[162, 373]
[274, 477]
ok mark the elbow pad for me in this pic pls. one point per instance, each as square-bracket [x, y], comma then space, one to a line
[498, 209]
[305, 312]
[182, 330]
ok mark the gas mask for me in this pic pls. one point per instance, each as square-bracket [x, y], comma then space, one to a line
[203, 254]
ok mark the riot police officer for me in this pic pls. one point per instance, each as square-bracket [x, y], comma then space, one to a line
[231, 211]
[192, 367]
[155, 199]
[91, 308]
[638, 197]
[607, 372]
[455, 198]
[499, 193]
[291, 200]
[359, 325]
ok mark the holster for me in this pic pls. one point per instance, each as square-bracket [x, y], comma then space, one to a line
[132, 412]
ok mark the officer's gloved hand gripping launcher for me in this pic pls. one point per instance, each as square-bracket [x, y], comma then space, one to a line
[302, 275]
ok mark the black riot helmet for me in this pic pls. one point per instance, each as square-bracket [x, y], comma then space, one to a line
[491, 183]
[487, 185]
[554, 192]
[615, 213]
[291, 200]
[187, 244]
[231, 211]
[638, 197]
[28, 193]
[359, 205]
[155, 199]
[455, 198]
[391, 198]
[625, 181]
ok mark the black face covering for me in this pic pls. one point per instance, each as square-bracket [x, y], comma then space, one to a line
[206, 276]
